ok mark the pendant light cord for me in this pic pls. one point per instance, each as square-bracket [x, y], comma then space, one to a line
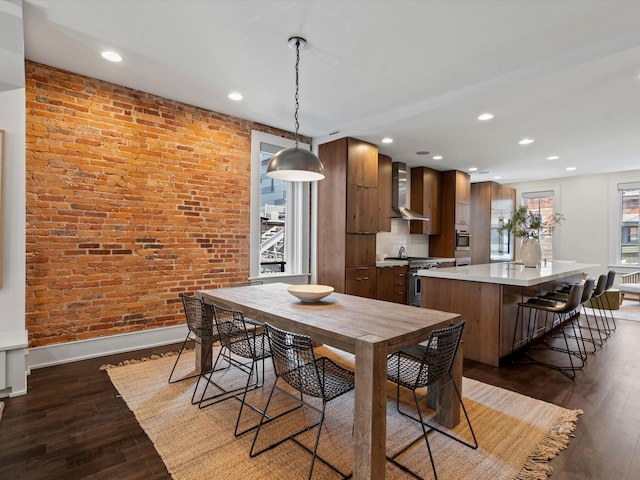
[297, 87]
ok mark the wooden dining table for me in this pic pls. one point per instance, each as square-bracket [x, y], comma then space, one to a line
[369, 329]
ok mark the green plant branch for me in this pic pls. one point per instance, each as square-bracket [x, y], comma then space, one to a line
[527, 224]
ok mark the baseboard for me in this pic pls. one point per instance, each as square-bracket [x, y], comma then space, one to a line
[60, 353]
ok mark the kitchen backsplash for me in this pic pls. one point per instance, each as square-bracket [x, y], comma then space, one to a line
[388, 243]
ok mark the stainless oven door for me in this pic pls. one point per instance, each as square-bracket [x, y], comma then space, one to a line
[414, 289]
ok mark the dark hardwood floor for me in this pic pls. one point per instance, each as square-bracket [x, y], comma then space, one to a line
[72, 424]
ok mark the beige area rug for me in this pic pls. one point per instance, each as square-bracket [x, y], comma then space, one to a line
[1, 410]
[517, 435]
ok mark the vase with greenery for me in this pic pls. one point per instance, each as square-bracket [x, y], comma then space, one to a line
[527, 225]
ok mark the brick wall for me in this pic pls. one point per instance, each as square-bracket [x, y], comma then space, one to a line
[131, 199]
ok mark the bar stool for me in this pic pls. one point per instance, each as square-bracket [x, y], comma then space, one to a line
[560, 312]
[587, 292]
[597, 302]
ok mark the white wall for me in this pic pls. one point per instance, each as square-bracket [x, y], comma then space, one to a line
[589, 204]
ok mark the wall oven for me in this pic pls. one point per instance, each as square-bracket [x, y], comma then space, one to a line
[463, 240]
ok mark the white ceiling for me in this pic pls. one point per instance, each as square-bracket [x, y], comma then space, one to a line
[565, 73]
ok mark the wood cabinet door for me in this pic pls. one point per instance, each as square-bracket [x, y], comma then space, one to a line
[463, 215]
[362, 211]
[362, 167]
[384, 193]
[425, 199]
[463, 187]
[361, 281]
[384, 284]
[360, 250]
[370, 165]
[355, 162]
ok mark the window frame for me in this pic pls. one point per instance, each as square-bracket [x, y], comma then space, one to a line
[619, 188]
[542, 193]
[297, 224]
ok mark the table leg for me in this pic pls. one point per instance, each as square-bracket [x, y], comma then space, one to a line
[443, 399]
[204, 364]
[370, 410]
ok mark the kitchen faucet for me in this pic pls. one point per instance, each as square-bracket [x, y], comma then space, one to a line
[402, 253]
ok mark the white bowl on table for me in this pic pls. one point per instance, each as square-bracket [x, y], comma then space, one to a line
[310, 293]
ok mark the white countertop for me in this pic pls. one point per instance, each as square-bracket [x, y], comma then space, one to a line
[509, 273]
[391, 263]
[395, 262]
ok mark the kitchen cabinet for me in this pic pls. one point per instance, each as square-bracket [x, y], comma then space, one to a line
[455, 214]
[361, 281]
[425, 200]
[362, 211]
[362, 165]
[348, 217]
[491, 205]
[392, 283]
[384, 193]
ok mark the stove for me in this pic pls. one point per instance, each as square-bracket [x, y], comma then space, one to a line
[413, 279]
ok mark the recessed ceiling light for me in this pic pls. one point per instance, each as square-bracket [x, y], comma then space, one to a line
[526, 141]
[473, 169]
[553, 157]
[387, 140]
[570, 169]
[437, 157]
[235, 96]
[111, 56]
[422, 152]
[485, 116]
[498, 177]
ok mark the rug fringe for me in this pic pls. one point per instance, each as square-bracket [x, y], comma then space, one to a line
[108, 366]
[556, 440]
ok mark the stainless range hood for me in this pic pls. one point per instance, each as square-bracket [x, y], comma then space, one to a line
[399, 204]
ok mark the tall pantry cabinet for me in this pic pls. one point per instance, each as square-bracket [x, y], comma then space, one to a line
[492, 205]
[348, 217]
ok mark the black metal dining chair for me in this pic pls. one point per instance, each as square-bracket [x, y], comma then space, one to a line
[201, 327]
[295, 363]
[425, 366]
[246, 346]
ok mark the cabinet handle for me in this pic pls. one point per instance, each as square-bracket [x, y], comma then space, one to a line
[362, 268]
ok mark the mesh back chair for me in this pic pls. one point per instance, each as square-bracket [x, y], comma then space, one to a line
[249, 283]
[295, 363]
[423, 366]
[251, 346]
[555, 314]
[201, 328]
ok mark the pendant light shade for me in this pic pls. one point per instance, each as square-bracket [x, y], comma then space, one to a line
[296, 164]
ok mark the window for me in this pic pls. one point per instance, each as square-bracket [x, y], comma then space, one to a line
[279, 214]
[628, 212]
[542, 204]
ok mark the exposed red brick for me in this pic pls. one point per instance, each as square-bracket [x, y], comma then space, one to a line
[131, 199]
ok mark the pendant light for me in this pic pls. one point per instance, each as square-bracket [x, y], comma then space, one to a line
[296, 164]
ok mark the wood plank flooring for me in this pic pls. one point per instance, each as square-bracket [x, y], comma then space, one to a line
[72, 424]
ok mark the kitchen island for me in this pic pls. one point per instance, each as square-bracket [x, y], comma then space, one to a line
[487, 297]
